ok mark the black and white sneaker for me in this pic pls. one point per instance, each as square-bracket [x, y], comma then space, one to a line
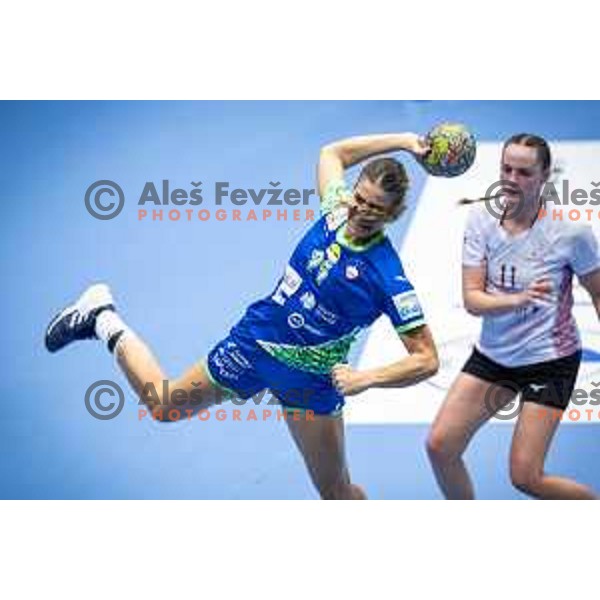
[77, 322]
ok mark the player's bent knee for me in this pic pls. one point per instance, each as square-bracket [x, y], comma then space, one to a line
[173, 402]
[524, 476]
[167, 411]
[440, 445]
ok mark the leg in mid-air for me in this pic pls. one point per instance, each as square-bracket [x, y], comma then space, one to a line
[533, 435]
[93, 315]
[320, 440]
[464, 411]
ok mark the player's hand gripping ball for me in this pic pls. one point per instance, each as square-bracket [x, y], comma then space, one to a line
[452, 150]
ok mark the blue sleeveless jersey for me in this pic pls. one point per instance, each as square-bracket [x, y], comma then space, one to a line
[329, 291]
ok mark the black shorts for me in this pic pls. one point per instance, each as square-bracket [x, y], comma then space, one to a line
[548, 383]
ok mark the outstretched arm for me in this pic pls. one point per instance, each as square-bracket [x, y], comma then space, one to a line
[420, 364]
[343, 154]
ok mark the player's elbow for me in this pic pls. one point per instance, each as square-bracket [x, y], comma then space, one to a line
[471, 306]
[430, 364]
[433, 366]
[335, 151]
[472, 310]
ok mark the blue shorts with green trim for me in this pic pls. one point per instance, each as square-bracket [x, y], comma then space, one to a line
[244, 370]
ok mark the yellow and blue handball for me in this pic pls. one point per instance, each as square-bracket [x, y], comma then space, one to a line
[453, 149]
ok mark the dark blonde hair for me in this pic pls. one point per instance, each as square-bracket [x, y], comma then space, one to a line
[390, 175]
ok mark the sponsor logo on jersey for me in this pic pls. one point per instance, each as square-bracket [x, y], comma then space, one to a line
[537, 387]
[316, 258]
[308, 300]
[289, 285]
[352, 272]
[313, 330]
[326, 315]
[295, 321]
[292, 279]
[407, 305]
[334, 252]
[230, 364]
[323, 272]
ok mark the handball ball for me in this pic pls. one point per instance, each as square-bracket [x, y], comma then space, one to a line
[453, 149]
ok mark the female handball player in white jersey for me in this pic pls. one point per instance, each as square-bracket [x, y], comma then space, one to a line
[517, 275]
[343, 275]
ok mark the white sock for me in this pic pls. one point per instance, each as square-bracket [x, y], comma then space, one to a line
[110, 327]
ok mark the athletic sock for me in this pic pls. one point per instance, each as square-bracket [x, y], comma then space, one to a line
[110, 328]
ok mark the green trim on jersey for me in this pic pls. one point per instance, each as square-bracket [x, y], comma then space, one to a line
[319, 358]
[303, 413]
[344, 241]
[409, 326]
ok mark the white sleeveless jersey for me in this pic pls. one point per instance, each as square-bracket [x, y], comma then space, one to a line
[551, 249]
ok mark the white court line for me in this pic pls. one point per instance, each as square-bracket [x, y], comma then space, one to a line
[431, 253]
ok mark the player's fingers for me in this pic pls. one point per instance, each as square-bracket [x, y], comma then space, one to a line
[541, 297]
[336, 376]
[542, 289]
[424, 144]
[339, 385]
[542, 284]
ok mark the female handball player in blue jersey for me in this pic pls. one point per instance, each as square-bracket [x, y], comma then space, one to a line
[517, 275]
[342, 276]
